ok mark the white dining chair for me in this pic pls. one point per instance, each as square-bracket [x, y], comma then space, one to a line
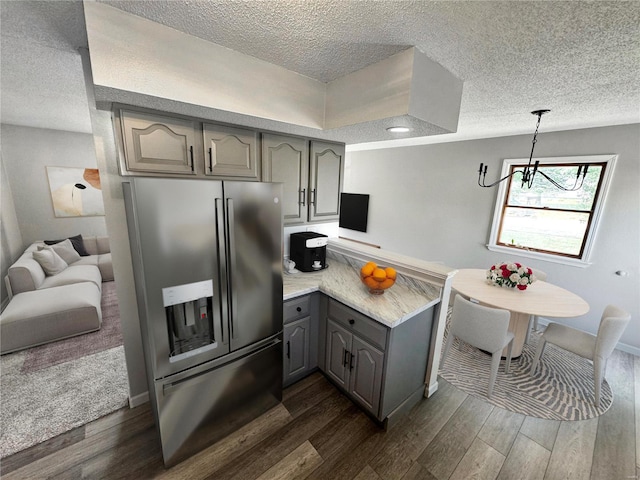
[533, 319]
[597, 348]
[484, 328]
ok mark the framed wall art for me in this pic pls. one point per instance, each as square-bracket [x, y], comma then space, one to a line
[75, 192]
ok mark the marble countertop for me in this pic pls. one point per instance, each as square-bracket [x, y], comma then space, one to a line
[342, 282]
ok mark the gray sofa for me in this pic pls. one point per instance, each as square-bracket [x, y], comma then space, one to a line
[48, 307]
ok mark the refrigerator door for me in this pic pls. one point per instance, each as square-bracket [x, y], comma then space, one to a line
[207, 403]
[176, 229]
[254, 258]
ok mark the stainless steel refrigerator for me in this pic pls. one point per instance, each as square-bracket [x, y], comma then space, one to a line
[207, 261]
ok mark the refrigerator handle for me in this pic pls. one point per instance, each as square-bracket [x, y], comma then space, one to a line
[222, 261]
[232, 265]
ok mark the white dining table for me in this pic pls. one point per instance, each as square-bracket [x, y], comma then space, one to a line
[540, 298]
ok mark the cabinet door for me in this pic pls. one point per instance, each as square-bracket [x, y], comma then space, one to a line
[338, 348]
[230, 152]
[286, 160]
[296, 349]
[158, 144]
[366, 374]
[326, 172]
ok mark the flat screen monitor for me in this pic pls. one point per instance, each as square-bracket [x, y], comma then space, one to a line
[354, 209]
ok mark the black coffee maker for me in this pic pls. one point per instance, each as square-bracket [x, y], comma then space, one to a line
[309, 251]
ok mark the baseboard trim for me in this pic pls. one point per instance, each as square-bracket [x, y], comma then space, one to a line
[138, 400]
[431, 389]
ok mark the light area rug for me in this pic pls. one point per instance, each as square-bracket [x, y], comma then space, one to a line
[40, 405]
[561, 389]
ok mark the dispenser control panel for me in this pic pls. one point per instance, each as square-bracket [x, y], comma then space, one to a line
[187, 292]
[316, 242]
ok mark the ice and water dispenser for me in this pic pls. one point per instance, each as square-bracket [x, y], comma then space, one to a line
[189, 313]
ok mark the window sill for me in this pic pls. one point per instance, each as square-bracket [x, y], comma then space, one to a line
[573, 262]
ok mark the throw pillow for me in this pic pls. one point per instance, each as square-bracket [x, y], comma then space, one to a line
[77, 243]
[50, 261]
[65, 250]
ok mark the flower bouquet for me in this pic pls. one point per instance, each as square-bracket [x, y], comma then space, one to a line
[510, 275]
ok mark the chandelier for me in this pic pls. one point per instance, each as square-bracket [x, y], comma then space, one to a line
[529, 172]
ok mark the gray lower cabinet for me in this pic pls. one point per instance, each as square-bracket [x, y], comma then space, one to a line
[300, 338]
[230, 152]
[355, 366]
[381, 369]
[158, 144]
[296, 349]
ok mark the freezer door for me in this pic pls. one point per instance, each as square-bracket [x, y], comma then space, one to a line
[176, 231]
[254, 258]
[199, 407]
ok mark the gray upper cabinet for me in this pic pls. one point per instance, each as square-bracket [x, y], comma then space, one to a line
[230, 152]
[326, 178]
[312, 174]
[286, 160]
[158, 144]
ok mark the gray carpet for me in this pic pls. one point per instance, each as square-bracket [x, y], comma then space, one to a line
[561, 389]
[85, 381]
[109, 336]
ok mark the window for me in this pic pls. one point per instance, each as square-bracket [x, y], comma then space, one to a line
[546, 222]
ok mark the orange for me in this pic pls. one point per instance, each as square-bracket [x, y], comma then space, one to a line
[386, 283]
[391, 273]
[371, 283]
[379, 274]
[368, 269]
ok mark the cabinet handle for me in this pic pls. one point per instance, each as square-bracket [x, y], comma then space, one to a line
[351, 362]
[345, 357]
[299, 309]
[210, 161]
[313, 197]
[351, 321]
[303, 196]
[288, 349]
[191, 151]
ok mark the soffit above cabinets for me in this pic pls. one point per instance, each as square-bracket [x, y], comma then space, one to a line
[146, 59]
[580, 59]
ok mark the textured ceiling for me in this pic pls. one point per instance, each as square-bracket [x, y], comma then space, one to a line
[580, 59]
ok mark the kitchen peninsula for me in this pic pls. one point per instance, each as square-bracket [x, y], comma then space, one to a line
[381, 350]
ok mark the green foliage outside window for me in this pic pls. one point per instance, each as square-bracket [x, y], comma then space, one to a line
[547, 219]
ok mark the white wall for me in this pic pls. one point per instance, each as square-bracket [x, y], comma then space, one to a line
[425, 202]
[10, 236]
[26, 152]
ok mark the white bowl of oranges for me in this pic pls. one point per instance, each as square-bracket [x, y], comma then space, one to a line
[377, 279]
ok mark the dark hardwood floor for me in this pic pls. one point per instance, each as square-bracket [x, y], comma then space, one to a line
[317, 433]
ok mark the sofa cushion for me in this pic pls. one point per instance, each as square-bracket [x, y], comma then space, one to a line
[106, 267]
[65, 250]
[76, 241]
[34, 318]
[74, 274]
[103, 245]
[96, 245]
[50, 261]
[90, 260]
